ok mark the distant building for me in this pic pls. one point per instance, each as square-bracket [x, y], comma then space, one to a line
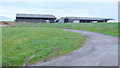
[35, 18]
[82, 20]
[42, 18]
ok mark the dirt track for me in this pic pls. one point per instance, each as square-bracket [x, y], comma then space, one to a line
[99, 50]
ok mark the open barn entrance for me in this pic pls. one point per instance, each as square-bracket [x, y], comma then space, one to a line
[94, 21]
[66, 20]
[76, 21]
[47, 21]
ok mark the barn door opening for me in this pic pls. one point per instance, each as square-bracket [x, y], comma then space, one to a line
[47, 21]
[76, 21]
[66, 20]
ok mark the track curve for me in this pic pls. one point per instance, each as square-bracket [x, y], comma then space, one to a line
[98, 50]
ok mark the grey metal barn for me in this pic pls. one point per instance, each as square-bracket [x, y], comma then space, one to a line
[82, 19]
[35, 18]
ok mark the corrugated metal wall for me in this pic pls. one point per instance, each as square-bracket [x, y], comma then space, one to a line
[35, 20]
[31, 20]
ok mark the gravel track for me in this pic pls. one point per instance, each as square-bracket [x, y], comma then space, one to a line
[98, 50]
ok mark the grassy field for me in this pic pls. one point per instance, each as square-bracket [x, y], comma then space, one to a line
[23, 45]
[42, 41]
[105, 28]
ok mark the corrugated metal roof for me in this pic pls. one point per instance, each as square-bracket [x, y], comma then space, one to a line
[87, 18]
[35, 15]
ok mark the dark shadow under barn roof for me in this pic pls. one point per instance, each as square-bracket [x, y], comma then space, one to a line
[87, 18]
[35, 15]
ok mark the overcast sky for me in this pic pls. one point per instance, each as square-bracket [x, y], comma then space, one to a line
[61, 9]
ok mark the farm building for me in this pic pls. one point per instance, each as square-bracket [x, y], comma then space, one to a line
[82, 20]
[35, 18]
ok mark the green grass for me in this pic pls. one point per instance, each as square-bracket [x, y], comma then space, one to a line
[23, 45]
[105, 28]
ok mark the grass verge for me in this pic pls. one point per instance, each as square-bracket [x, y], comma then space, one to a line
[23, 45]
